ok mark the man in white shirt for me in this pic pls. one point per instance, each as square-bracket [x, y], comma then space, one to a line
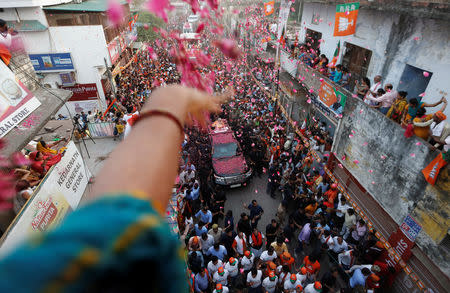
[221, 276]
[268, 255]
[270, 282]
[290, 284]
[247, 261]
[254, 280]
[341, 208]
[346, 259]
[233, 269]
[207, 242]
[372, 92]
[315, 287]
[214, 265]
[5, 34]
[337, 246]
[221, 289]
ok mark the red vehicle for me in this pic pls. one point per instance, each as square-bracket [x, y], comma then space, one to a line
[230, 167]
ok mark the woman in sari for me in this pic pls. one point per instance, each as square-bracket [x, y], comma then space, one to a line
[41, 162]
[45, 148]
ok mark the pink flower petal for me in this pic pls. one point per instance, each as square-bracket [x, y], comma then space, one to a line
[340, 166]
[383, 157]
[370, 171]
[418, 143]
[115, 12]
[413, 155]
[426, 73]
[356, 161]
[19, 160]
[159, 7]
[365, 143]
[351, 135]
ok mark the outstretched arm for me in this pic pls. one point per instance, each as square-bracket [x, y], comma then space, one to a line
[147, 159]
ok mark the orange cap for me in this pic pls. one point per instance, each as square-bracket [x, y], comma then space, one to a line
[220, 270]
[219, 286]
[286, 255]
[299, 287]
[272, 274]
[303, 270]
[318, 286]
[195, 240]
[247, 253]
[272, 265]
[293, 277]
[232, 260]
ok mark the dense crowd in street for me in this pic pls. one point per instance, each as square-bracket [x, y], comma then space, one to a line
[316, 243]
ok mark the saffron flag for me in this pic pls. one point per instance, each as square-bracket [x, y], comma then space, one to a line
[345, 20]
[269, 7]
[431, 171]
[335, 56]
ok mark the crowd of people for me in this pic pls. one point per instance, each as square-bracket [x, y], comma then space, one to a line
[409, 112]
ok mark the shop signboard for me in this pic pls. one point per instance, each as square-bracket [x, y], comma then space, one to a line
[58, 194]
[52, 62]
[83, 92]
[114, 49]
[410, 228]
[16, 101]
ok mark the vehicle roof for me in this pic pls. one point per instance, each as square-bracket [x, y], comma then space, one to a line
[223, 137]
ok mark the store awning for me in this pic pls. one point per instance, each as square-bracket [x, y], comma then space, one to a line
[19, 137]
[27, 26]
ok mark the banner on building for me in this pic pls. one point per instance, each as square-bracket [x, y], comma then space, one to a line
[329, 95]
[345, 19]
[114, 49]
[16, 100]
[269, 7]
[59, 193]
[52, 62]
[285, 8]
[410, 228]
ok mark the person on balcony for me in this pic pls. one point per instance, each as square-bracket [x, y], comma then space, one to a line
[413, 106]
[362, 87]
[372, 92]
[338, 74]
[386, 99]
[397, 109]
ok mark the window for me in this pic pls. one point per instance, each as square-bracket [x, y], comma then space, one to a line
[225, 150]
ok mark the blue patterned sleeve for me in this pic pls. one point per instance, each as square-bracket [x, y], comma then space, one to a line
[119, 243]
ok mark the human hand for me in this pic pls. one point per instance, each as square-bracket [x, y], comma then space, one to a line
[187, 104]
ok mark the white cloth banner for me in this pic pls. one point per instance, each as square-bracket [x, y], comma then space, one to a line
[285, 8]
[58, 194]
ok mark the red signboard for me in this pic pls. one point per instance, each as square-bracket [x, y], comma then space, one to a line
[83, 92]
[114, 49]
[402, 245]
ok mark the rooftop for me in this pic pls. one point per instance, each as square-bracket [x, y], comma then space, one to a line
[89, 6]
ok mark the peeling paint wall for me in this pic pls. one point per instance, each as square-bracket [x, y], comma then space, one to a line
[389, 166]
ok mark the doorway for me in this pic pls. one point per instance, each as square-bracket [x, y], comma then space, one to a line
[413, 81]
[357, 60]
[313, 37]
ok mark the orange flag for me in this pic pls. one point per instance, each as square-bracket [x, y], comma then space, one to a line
[269, 7]
[5, 55]
[345, 20]
[431, 171]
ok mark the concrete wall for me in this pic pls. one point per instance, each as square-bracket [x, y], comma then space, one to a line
[391, 38]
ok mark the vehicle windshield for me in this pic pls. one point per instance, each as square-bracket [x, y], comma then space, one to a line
[225, 150]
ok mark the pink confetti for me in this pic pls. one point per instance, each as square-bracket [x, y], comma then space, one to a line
[361, 111]
[416, 38]
[365, 143]
[321, 79]
[228, 48]
[159, 7]
[383, 157]
[426, 73]
[145, 26]
[311, 91]
[340, 166]
[256, 190]
[422, 95]
[308, 101]
[413, 155]
[115, 12]
[351, 135]
[373, 182]
[418, 143]
[370, 171]
[356, 161]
